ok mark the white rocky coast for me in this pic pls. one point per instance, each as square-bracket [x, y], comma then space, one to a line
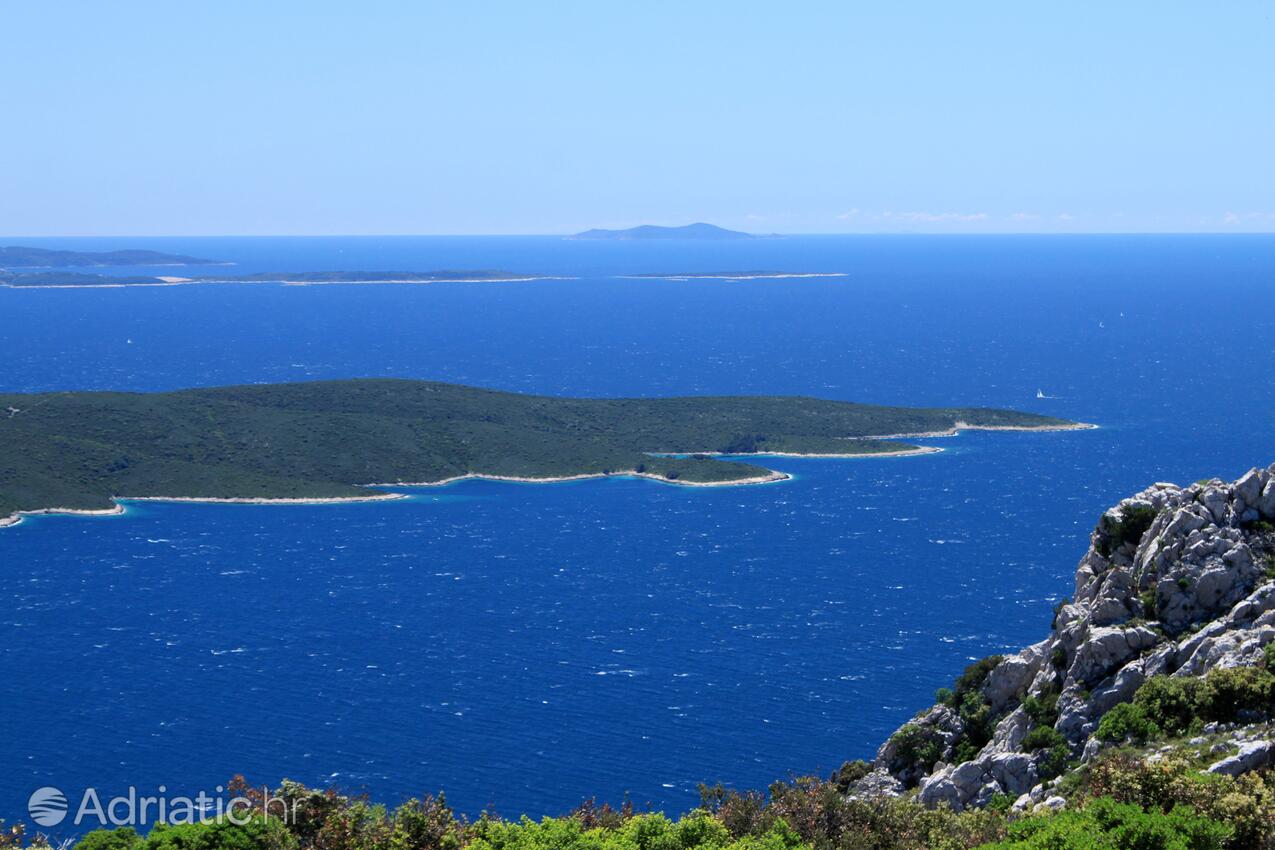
[1177, 581]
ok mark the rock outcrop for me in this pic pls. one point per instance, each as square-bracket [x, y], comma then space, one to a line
[1177, 581]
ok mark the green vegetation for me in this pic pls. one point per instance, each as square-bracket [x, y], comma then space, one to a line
[1177, 705]
[325, 439]
[1108, 825]
[1133, 523]
[916, 746]
[1119, 802]
[966, 698]
[1128, 722]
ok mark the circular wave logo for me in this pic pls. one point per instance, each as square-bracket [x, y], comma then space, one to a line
[47, 806]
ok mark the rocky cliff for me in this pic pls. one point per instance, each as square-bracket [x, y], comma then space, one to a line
[1178, 583]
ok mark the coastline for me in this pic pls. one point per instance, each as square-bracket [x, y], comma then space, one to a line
[741, 276]
[263, 500]
[16, 517]
[966, 426]
[190, 281]
[912, 452]
[772, 477]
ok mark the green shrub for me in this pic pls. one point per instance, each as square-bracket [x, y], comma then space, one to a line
[973, 677]
[1043, 709]
[1105, 824]
[850, 772]
[256, 834]
[1042, 738]
[1227, 693]
[1128, 720]
[1149, 602]
[121, 838]
[1172, 703]
[1001, 803]
[1056, 761]
[1133, 523]
[1246, 802]
[917, 746]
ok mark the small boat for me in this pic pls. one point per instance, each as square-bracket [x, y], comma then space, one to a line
[1040, 394]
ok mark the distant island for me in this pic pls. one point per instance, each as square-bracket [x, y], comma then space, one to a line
[73, 280]
[747, 275]
[698, 230]
[332, 440]
[18, 256]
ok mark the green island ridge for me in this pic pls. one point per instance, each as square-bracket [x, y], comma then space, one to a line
[81, 451]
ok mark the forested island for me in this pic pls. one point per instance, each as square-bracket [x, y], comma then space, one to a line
[21, 256]
[332, 439]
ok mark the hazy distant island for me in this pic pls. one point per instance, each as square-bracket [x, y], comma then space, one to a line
[80, 451]
[19, 256]
[699, 230]
[72, 280]
[744, 275]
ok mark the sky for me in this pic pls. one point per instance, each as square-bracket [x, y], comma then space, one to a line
[247, 118]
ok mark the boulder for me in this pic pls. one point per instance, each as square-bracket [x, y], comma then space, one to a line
[1008, 680]
[1106, 649]
[1252, 756]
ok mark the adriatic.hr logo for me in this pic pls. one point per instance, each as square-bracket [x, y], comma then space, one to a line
[47, 806]
[50, 807]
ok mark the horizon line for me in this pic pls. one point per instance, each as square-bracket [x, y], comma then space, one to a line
[692, 239]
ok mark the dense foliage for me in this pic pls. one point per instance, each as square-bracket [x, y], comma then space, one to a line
[323, 439]
[1120, 801]
[1175, 705]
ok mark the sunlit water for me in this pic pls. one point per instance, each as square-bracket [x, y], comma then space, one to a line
[526, 646]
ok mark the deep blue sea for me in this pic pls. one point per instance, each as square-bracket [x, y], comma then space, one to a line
[523, 647]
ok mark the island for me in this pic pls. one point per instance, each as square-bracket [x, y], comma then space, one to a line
[20, 256]
[699, 230]
[353, 439]
[76, 280]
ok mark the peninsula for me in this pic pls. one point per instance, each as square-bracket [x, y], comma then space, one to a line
[21, 256]
[699, 230]
[80, 451]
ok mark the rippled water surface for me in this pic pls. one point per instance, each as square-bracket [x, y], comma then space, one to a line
[525, 646]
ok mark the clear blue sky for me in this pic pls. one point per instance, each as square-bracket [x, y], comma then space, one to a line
[154, 118]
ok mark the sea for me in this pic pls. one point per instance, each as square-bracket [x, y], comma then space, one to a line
[524, 647]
